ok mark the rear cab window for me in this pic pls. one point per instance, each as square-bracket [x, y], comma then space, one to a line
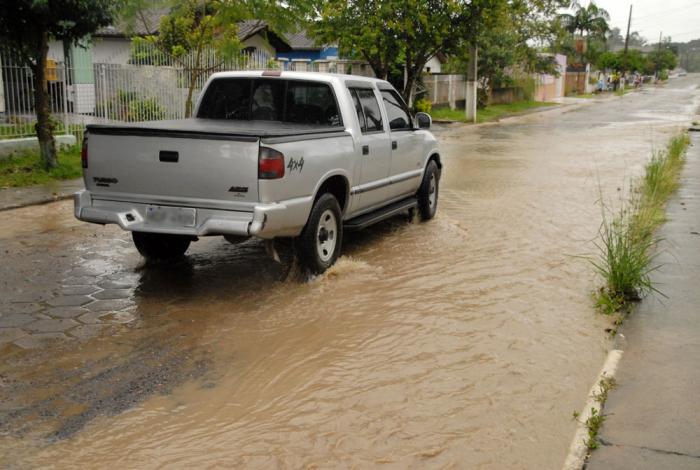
[264, 99]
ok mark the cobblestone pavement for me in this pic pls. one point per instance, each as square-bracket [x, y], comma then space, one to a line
[63, 280]
[58, 288]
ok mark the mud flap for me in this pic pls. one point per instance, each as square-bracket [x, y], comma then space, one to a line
[271, 250]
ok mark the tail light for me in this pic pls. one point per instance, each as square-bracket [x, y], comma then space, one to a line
[270, 164]
[84, 152]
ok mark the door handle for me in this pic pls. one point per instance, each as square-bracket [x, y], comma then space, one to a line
[168, 156]
[394, 145]
[365, 150]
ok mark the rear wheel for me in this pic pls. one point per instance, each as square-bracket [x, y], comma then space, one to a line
[428, 191]
[320, 241]
[160, 246]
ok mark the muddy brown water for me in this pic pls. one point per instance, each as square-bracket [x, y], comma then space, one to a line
[465, 342]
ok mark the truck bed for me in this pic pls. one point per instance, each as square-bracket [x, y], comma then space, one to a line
[212, 128]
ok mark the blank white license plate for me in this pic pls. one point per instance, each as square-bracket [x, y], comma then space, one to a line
[172, 216]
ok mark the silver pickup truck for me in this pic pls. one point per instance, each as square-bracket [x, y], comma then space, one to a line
[269, 154]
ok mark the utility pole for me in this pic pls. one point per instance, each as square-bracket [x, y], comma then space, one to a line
[627, 40]
[658, 56]
[471, 91]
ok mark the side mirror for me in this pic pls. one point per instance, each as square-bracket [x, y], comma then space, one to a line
[424, 120]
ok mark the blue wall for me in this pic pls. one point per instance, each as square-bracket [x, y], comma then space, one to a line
[312, 55]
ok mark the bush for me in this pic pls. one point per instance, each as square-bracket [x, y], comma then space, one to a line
[145, 110]
[528, 84]
[423, 105]
[130, 106]
[663, 75]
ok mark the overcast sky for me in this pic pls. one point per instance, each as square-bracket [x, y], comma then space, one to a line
[679, 19]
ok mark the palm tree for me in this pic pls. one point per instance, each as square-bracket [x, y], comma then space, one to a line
[590, 21]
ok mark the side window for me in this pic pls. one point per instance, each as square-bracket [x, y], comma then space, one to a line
[370, 106]
[396, 111]
[358, 109]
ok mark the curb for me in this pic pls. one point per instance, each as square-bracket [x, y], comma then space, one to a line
[578, 450]
[38, 202]
[542, 109]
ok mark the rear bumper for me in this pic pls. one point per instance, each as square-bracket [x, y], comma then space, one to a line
[283, 219]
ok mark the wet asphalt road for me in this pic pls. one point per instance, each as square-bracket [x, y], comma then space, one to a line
[88, 331]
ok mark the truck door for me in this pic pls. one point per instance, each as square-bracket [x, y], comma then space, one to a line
[374, 149]
[406, 144]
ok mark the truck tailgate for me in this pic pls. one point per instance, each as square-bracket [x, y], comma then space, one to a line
[183, 169]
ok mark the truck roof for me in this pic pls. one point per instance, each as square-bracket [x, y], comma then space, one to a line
[311, 76]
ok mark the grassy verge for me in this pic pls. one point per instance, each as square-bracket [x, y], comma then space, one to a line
[25, 169]
[490, 113]
[626, 243]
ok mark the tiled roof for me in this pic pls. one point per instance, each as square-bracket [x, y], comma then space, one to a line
[149, 24]
[249, 28]
[300, 41]
[297, 40]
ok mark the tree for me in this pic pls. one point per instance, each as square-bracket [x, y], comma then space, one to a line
[663, 59]
[509, 49]
[27, 26]
[405, 34]
[194, 29]
[395, 34]
[616, 40]
[591, 22]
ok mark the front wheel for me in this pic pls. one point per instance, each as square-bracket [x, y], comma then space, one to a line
[428, 191]
[320, 241]
[160, 246]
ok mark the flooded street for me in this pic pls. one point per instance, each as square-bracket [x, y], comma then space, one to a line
[464, 342]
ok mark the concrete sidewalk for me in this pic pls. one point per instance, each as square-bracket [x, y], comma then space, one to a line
[654, 414]
[12, 198]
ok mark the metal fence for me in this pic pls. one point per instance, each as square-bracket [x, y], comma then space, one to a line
[151, 86]
[148, 88]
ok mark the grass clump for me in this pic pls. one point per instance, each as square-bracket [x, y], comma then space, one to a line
[596, 419]
[626, 243]
[489, 113]
[26, 169]
[593, 424]
[606, 384]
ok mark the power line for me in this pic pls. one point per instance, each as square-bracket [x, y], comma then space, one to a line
[662, 13]
[697, 31]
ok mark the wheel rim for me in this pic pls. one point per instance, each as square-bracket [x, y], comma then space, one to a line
[432, 192]
[326, 235]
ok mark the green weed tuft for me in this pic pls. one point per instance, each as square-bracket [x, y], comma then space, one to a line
[626, 243]
[593, 424]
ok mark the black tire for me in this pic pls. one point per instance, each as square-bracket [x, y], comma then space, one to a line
[160, 246]
[317, 234]
[427, 204]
